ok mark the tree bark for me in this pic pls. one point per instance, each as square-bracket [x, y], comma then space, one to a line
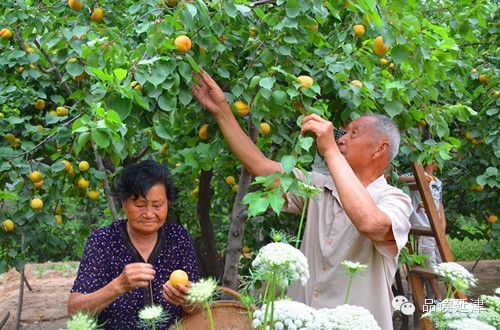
[209, 259]
[237, 227]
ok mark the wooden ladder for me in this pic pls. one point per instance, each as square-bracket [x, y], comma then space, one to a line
[416, 273]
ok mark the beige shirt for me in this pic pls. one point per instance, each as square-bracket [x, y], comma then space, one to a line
[330, 238]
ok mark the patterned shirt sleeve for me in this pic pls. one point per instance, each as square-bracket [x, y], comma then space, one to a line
[92, 274]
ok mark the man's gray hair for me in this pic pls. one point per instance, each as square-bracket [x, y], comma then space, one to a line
[384, 126]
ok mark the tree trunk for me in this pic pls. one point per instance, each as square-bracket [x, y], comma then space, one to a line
[210, 260]
[237, 227]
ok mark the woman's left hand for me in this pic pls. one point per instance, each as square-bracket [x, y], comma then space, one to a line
[176, 296]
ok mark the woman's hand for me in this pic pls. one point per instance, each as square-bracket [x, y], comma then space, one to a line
[176, 296]
[136, 275]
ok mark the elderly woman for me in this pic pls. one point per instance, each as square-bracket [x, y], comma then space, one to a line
[125, 266]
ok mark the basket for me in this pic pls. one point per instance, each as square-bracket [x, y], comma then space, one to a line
[227, 315]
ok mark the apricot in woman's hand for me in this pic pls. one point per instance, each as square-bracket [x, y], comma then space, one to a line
[178, 277]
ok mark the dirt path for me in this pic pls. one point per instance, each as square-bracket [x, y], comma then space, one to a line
[44, 307]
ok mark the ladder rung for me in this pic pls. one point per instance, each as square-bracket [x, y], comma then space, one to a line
[422, 231]
[423, 272]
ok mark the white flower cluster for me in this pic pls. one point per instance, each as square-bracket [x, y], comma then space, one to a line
[202, 290]
[353, 267]
[347, 317]
[82, 321]
[152, 316]
[308, 189]
[292, 315]
[491, 314]
[497, 291]
[492, 301]
[283, 262]
[449, 310]
[456, 275]
[469, 324]
[151, 313]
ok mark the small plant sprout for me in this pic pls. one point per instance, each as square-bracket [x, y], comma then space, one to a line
[308, 191]
[152, 316]
[202, 292]
[82, 321]
[353, 269]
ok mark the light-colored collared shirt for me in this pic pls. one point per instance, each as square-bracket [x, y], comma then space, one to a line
[330, 238]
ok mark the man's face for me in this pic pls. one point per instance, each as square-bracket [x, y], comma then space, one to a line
[358, 144]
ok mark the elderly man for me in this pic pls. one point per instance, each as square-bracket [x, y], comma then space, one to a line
[358, 217]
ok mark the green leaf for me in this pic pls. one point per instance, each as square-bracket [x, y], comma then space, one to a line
[276, 200]
[122, 106]
[393, 108]
[288, 163]
[167, 102]
[267, 83]
[159, 73]
[306, 142]
[292, 8]
[120, 74]
[82, 140]
[491, 171]
[223, 72]
[258, 206]
[193, 63]
[399, 54]
[101, 138]
[74, 68]
[255, 80]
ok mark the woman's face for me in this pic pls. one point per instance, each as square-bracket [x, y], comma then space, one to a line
[147, 214]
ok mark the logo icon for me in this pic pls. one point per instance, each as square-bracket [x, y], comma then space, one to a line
[400, 303]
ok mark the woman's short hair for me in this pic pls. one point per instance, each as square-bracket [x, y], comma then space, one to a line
[137, 178]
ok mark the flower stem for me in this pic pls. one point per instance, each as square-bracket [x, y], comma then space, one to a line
[269, 299]
[302, 216]
[448, 293]
[209, 313]
[348, 289]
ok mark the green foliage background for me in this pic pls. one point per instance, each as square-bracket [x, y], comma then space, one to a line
[255, 50]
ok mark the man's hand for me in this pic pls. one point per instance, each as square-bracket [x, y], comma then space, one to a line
[136, 275]
[323, 131]
[208, 93]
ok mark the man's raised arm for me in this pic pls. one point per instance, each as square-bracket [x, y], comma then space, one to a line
[211, 96]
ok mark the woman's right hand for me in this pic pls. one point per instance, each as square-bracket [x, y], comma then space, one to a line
[135, 275]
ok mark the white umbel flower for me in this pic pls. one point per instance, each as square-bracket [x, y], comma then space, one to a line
[449, 310]
[469, 324]
[456, 275]
[287, 315]
[283, 261]
[152, 316]
[150, 313]
[82, 321]
[308, 189]
[347, 317]
[202, 290]
[353, 267]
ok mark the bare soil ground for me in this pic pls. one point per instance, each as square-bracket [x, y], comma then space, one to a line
[44, 306]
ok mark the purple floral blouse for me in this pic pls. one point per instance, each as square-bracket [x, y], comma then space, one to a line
[109, 249]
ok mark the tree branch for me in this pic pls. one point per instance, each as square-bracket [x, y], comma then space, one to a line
[44, 140]
[53, 67]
